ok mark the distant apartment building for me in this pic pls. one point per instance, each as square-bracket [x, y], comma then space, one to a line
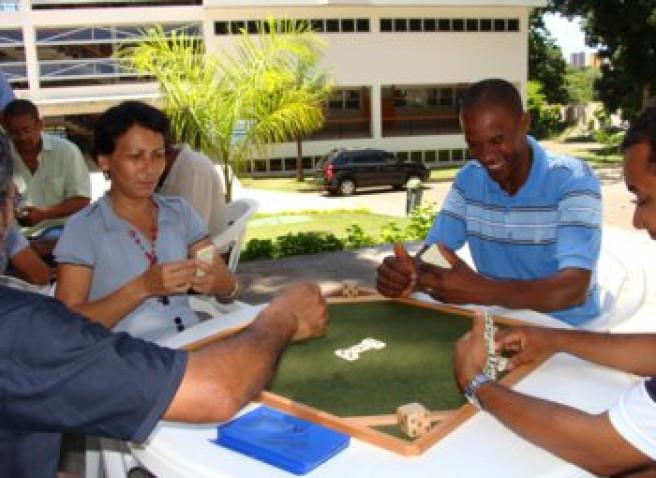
[400, 66]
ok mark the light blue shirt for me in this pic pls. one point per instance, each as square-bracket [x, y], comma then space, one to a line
[96, 237]
[552, 223]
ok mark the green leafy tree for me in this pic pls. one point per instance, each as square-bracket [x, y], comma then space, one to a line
[254, 86]
[545, 61]
[624, 32]
[581, 84]
[545, 118]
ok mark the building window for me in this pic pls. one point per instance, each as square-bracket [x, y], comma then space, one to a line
[388, 25]
[385, 24]
[499, 25]
[12, 57]
[51, 4]
[415, 24]
[348, 25]
[86, 55]
[348, 114]
[420, 110]
[400, 25]
[319, 25]
[513, 25]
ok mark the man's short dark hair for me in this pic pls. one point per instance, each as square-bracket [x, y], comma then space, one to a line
[492, 92]
[20, 107]
[642, 130]
[6, 167]
[117, 120]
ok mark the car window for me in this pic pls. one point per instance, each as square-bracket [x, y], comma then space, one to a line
[366, 157]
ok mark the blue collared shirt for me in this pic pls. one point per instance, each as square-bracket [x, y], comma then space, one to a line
[553, 222]
[62, 373]
[96, 237]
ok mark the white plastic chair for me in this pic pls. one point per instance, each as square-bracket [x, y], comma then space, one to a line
[231, 240]
[622, 289]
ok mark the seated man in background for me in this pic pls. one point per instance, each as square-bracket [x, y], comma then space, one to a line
[622, 438]
[63, 373]
[50, 173]
[532, 220]
[193, 176]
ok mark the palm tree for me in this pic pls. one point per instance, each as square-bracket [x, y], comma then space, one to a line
[253, 86]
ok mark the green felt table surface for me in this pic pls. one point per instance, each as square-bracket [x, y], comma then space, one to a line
[415, 366]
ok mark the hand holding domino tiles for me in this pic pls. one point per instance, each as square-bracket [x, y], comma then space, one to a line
[212, 275]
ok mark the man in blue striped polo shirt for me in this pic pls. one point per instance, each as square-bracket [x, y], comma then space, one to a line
[531, 220]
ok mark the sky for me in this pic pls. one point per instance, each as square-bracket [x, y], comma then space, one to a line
[567, 33]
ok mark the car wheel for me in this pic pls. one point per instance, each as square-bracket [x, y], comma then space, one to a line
[346, 187]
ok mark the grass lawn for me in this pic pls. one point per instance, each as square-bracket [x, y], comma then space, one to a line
[270, 226]
[289, 185]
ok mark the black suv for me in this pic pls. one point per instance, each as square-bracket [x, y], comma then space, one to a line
[343, 171]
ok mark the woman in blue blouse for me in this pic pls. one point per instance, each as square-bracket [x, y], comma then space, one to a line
[127, 260]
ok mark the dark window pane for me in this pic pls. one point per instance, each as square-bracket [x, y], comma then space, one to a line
[415, 156]
[251, 26]
[458, 25]
[444, 156]
[362, 24]
[236, 27]
[486, 25]
[385, 24]
[332, 25]
[444, 25]
[348, 25]
[402, 155]
[513, 25]
[317, 24]
[400, 24]
[429, 156]
[220, 28]
[415, 24]
[429, 24]
[472, 25]
[499, 25]
[457, 155]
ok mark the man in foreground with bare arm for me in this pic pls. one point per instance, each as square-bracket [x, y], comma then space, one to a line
[622, 438]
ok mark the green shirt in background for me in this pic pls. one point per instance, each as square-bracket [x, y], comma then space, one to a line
[62, 174]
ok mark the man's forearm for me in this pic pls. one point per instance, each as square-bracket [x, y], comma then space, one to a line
[633, 353]
[66, 207]
[589, 441]
[221, 379]
[567, 288]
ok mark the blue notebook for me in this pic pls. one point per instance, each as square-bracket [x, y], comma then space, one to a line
[282, 440]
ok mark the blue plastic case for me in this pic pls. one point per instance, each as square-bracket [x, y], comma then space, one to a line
[282, 440]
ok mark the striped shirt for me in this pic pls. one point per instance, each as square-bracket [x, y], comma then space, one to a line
[553, 222]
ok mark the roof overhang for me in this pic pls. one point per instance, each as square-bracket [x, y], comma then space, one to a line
[374, 3]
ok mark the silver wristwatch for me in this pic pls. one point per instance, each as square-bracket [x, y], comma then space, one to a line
[474, 384]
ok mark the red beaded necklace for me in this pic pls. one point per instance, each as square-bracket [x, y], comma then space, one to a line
[150, 254]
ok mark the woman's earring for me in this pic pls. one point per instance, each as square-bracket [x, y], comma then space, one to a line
[106, 174]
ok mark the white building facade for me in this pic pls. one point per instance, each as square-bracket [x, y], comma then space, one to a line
[399, 66]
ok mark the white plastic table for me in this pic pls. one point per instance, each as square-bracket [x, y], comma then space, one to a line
[481, 447]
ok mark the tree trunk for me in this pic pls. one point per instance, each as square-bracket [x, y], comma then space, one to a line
[299, 159]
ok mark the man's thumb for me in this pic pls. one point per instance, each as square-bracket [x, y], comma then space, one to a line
[401, 253]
